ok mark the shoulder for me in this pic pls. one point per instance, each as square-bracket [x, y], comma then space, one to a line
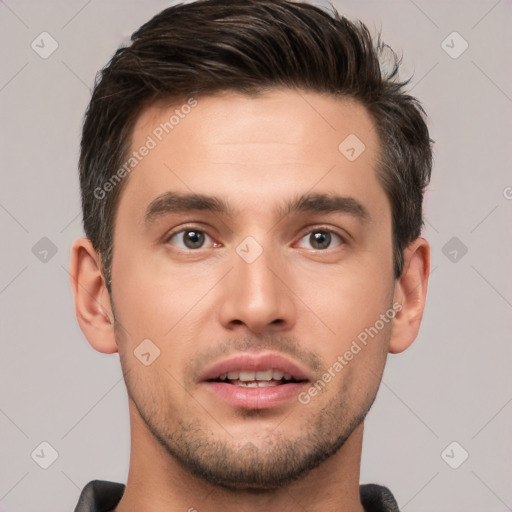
[376, 498]
[99, 496]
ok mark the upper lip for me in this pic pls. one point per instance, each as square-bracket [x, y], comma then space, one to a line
[254, 362]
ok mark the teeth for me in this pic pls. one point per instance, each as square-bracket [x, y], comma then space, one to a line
[256, 384]
[264, 375]
[246, 376]
[261, 376]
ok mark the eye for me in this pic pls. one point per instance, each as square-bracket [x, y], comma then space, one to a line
[188, 239]
[320, 239]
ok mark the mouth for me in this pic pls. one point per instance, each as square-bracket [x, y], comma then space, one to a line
[255, 381]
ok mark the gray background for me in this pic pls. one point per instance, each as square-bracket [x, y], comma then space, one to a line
[453, 384]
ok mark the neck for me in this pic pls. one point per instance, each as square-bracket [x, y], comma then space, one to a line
[157, 482]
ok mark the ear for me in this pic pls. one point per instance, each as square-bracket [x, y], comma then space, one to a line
[410, 293]
[92, 302]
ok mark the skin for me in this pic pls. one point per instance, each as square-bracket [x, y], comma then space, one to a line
[202, 305]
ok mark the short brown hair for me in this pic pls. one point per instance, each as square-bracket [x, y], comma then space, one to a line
[250, 46]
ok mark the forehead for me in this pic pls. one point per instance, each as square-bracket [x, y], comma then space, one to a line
[253, 150]
[279, 116]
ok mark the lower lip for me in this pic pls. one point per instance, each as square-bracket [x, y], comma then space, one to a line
[255, 398]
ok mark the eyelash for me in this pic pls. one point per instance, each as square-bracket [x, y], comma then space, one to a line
[314, 230]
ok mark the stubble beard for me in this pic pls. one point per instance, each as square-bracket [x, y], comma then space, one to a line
[244, 466]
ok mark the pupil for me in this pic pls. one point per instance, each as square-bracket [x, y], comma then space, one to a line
[321, 239]
[194, 239]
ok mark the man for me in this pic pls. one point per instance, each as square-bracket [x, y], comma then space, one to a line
[252, 189]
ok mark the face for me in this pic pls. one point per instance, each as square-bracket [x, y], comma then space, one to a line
[257, 259]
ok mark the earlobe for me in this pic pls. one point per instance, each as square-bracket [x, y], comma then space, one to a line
[410, 293]
[92, 301]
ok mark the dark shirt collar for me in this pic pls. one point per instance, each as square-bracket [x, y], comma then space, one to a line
[103, 496]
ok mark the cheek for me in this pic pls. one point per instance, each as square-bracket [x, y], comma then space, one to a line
[157, 300]
[344, 300]
[349, 333]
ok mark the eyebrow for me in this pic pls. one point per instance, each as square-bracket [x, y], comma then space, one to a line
[178, 202]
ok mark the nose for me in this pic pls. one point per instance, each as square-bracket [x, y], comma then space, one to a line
[258, 295]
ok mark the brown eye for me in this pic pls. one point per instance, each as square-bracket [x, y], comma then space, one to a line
[320, 239]
[188, 239]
